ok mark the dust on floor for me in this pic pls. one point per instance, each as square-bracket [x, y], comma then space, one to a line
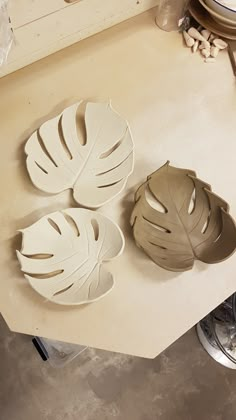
[183, 383]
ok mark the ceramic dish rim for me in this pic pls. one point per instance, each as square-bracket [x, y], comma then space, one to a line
[225, 7]
[200, 14]
[217, 15]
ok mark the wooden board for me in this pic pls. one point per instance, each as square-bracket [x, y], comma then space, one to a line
[232, 55]
[42, 27]
[26, 11]
[180, 116]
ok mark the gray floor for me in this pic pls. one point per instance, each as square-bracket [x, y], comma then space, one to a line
[183, 383]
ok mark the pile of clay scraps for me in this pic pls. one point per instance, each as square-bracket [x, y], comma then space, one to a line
[203, 40]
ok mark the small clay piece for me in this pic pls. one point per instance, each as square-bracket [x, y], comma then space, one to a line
[214, 51]
[206, 34]
[210, 60]
[188, 40]
[203, 41]
[205, 44]
[205, 53]
[212, 37]
[195, 34]
[177, 219]
[219, 43]
[195, 46]
[62, 255]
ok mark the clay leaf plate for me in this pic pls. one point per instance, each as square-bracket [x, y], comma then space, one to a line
[177, 219]
[92, 154]
[62, 255]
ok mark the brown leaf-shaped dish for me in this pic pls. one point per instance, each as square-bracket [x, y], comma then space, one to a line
[177, 219]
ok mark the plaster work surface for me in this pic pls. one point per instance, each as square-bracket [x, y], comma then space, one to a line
[182, 383]
[186, 116]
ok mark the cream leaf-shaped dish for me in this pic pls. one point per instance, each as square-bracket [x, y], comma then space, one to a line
[96, 167]
[62, 255]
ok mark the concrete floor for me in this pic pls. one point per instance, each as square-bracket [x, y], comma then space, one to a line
[183, 383]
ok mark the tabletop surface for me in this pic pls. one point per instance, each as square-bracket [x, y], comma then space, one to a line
[179, 109]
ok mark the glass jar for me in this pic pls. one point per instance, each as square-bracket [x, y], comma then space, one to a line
[170, 14]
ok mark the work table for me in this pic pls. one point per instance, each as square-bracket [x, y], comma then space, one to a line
[179, 109]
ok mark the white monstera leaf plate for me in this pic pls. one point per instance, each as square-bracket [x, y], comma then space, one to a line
[62, 255]
[95, 164]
